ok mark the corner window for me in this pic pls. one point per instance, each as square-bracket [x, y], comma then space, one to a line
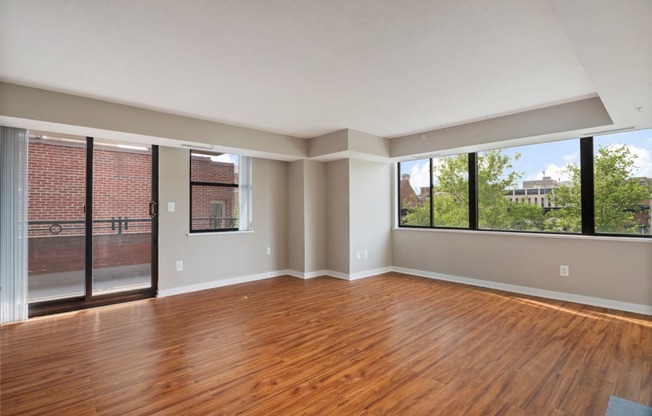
[220, 192]
[591, 186]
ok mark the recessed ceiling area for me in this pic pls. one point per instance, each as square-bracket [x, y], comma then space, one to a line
[308, 68]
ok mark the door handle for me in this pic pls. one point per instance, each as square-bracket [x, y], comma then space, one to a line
[152, 209]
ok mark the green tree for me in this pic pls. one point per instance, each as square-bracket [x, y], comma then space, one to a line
[567, 217]
[451, 192]
[617, 196]
[495, 175]
[451, 195]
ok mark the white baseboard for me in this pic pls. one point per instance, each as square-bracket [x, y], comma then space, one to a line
[359, 275]
[252, 278]
[306, 275]
[543, 293]
[219, 283]
[369, 273]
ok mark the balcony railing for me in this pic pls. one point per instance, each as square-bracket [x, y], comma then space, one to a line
[113, 225]
[214, 223]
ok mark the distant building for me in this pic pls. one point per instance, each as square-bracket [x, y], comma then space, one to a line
[541, 192]
[408, 198]
[537, 192]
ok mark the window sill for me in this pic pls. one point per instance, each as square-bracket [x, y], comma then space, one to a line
[529, 235]
[219, 233]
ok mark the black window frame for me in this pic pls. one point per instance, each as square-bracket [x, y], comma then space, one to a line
[587, 191]
[211, 184]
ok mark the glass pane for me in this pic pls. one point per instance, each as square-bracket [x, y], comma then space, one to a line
[213, 167]
[122, 191]
[509, 179]
[623, 182]
[57, 193]
[450, 179]
[214, 207]
[414, 193]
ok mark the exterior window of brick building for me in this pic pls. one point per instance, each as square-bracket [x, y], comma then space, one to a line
[214, 190]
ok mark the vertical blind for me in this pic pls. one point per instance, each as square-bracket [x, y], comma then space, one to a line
[13, 224]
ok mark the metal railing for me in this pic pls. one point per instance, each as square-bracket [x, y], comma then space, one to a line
[214, 223]
[117, 225]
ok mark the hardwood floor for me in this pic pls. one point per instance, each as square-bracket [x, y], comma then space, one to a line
[390, 344]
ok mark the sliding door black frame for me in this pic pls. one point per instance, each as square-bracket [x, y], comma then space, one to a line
[88, 300]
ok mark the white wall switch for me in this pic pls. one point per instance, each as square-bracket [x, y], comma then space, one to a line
[171, 207]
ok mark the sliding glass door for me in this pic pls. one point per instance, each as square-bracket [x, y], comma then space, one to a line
[56, 218]
[92, 222]
[122, 225]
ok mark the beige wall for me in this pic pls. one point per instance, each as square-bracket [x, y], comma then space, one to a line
[208, 258]
[315, 216]
[296, 216]
[600, 268]
[509, 130]
[370, 215]
[337, 216]
[306, 216]
[24, 106]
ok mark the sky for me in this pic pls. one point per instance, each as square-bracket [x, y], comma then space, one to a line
[552, 157]
[225, 158]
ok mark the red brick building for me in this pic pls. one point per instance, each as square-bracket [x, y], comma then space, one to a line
[122, 189]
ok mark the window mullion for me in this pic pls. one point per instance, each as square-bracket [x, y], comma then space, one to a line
[473, 191]
[587, 187]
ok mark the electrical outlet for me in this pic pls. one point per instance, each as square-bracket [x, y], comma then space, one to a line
[564, 271]
[366, 254]
[269, 250]
[179, 265]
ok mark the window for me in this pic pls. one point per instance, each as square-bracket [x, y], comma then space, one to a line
[623, 182]
[450, 181]
[434, 192]
[525, 170]
[220, 192]
[414, 193]
[591, 186]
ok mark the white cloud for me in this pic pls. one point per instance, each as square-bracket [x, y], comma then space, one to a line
[643, 161]
[555, 172]
[420, 175]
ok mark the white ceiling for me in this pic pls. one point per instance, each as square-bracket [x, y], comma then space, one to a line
[309, 67]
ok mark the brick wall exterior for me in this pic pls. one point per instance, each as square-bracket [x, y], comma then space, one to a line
[57, 193]
[203, 169]
[122, 187]
[122, 183]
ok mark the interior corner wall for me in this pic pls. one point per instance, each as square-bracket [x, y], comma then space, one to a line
[314, 216]
[218, 256]
[370, 215]
[599, 267]
[337, 216]
[296, 216]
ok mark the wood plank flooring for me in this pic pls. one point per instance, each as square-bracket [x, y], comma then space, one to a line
[387, 345]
